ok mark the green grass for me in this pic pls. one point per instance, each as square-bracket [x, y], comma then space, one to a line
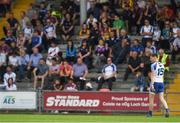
[83, 118]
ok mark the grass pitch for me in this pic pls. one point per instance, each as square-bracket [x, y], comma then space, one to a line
[83, 118]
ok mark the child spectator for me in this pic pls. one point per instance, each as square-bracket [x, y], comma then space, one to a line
[11, 86]
[70, 86]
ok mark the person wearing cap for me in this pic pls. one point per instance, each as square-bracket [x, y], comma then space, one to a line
[109, 72]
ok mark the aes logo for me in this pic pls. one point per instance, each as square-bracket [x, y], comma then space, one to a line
[9, 100]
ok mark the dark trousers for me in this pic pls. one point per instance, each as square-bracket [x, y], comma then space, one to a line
[80, 83]
[109, 82]
[22, 70]
[174, 53]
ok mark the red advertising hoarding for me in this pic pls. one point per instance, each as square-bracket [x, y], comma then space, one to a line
[100, 101]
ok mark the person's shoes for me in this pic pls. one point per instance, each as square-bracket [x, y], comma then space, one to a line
[149, 114]
[167, 114]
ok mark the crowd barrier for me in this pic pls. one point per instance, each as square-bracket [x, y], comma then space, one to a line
[76, 101]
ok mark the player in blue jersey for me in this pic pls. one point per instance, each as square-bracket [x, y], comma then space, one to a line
[157, 84]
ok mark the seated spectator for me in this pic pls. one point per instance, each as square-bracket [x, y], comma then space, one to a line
[90, 21]
[156, 36]
[71, 52]
[54, 69]
[67, 28]
[100, 55]
[3, 63]
[150, 47]
[39, 27]
[133, 65]
[94, 35]
[108, 74]
[79, 73]
[11, 86]
[140, 83]
[9, 74]
[24, 20]
[84, 32]
[12, 23]
[120, 51]
[165, 36]
[146, 63]
[53, 52]
[21, 41]
[65, 71]
[36, 41]
[137, 47]
[70, 86]
[40, 73]
[118, 24]
[176, 47]
[124, 35]
[9, 38]
[84, 53]
[28, 31]
[105, 32]
[50, 33]
[33, 62]
[23, 63]
[147, 32]
[112, 39]
[57, 86]
[13, 61]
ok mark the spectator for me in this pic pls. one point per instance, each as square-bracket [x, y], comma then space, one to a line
[10, 38]
[147, 32]
[84, 53]
[36, 41]
[176, 47]
[140, 83]
[40, 73]
[145, 59]
[79, 73]
[54, 69]
[118, 24]
[133, 65]
[120, 51]
[71, 52]
[105, 32]
[3, 63]
[112, 39]
[13, 24]
[23, 63]
[28, 31]
[65, 71]
[53, 52]
[108, 74]
[34, 61]
[13, 60]
[156, 36]
[84, 32]
[165, 37]
[67, 28]
[24, 20]
[70, 86]
[9, 74]
[137, 47]
[50, 33]
[21, 41]
[57, 86]
[94, 35]
[150, 46]
[101, 52]
[11, 86]
[164, 59]
[90, 21]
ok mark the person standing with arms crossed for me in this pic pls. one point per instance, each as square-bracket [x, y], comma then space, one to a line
[157, 84]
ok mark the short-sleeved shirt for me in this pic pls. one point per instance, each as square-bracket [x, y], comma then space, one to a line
[34, 58]
[67, 24]
[62, 68]
[42, 69]
[134, 62]
[79, 70]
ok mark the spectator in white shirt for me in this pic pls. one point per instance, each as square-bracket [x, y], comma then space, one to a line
[3, 57]
[91, 20]
[52, 53]
[9, 74]
[11, 86]
[146, 32]
[13, 60]
[28, 31]
[156, 36]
